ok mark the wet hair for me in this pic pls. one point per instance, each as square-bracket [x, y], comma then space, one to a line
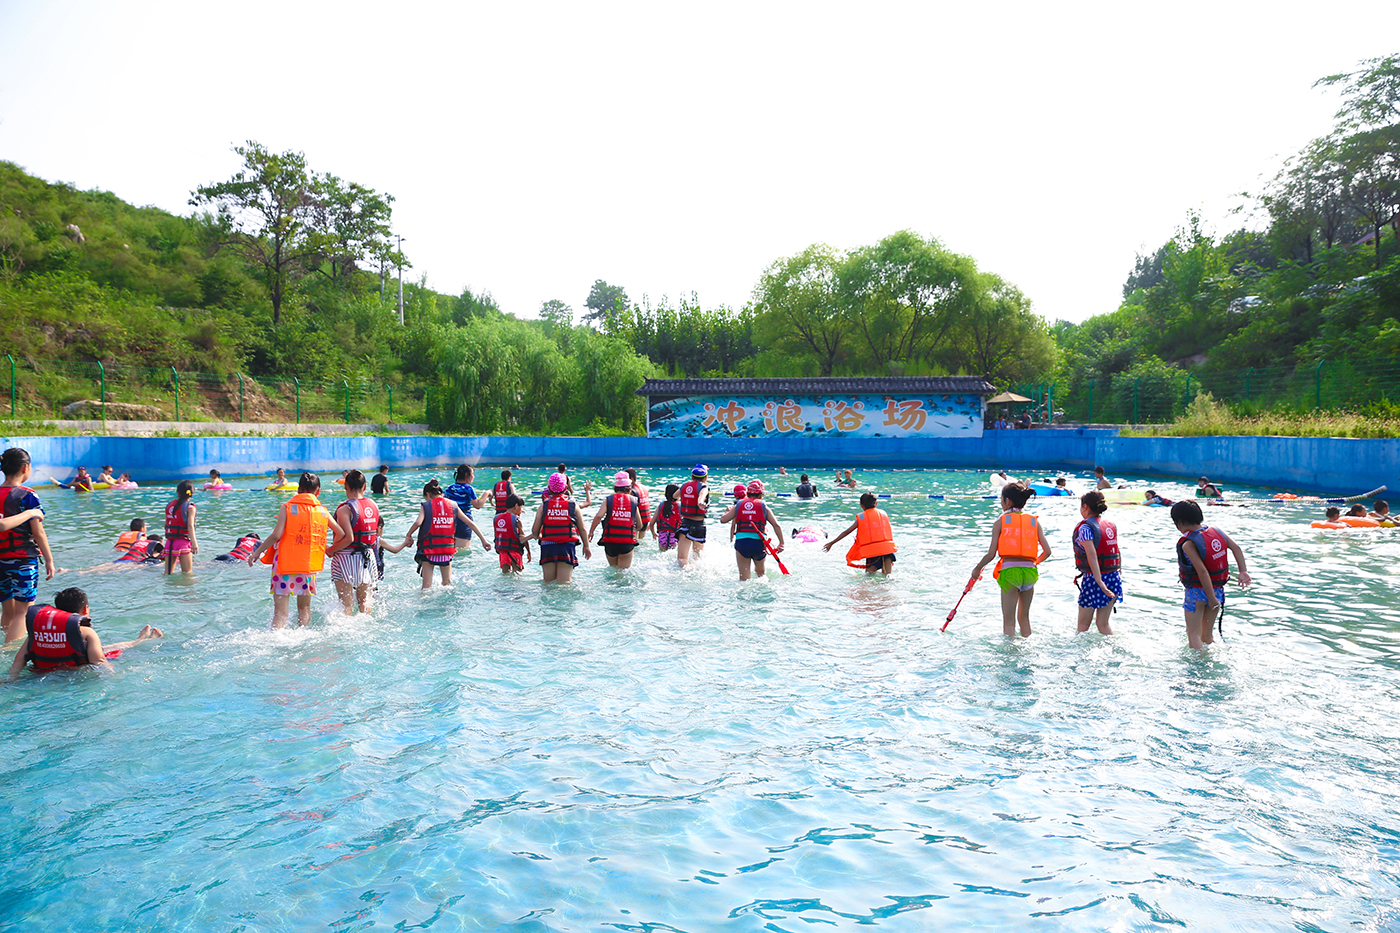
[1060, 481]
[383, 468]
[1150, 494]
[513, 500]
[213, 474]
[432, 489]
[867, 500]
[70, 600]
[505, 475]
[1018, 494]
[1098, 470]
[137, 524]
[107, 469]
[254, 535]
[806, 478]
[14, 460]
[309, 482]
[125, 476]
[1357, 509]
[1095, 501]
[1187, 512]
[464, 473]
[562, 469]
[1382, 506]
[153, 538]
[632, 472]
[1333, 513]
[354, 480]
[184, 491]
[671, 490]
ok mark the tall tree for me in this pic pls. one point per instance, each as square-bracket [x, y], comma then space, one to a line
[604, 304]
[1370, 95]
[268, 213]
[352, 222]
[799, 310]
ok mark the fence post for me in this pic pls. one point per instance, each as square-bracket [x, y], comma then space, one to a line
[177, 392]
[240, 398]
[346, 383]
[297, 382]
[427, 405]
[1247, 373]
[1050, 404]
[1317, 375]
[1186, 403]
[102, 374]
[391, 403]
[1091, 400]
[1135, 399]
[12, 384]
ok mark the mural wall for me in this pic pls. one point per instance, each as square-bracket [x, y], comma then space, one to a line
[816, 416]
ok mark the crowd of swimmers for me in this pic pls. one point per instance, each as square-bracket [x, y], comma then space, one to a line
[352, 538]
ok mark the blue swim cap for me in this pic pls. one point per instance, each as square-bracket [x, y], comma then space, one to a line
[700, 470]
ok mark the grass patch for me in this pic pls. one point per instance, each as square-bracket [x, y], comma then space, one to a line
[1206, 417]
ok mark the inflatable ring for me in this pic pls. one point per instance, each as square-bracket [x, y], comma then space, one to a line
[1328, 525]
[217, 487]
[1356, 521]
[285, 487]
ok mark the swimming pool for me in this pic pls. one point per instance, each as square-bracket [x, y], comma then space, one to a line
[658, 750]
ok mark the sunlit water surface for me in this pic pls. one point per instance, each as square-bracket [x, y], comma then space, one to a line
[668, 750]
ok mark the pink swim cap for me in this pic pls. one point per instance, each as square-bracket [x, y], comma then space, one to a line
[557, 482]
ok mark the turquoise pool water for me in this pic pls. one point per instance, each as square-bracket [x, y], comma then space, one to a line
[658, 750]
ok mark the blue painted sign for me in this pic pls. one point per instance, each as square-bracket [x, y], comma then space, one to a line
[816, 416]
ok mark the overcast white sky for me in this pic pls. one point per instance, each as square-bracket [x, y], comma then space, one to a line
[671, 148]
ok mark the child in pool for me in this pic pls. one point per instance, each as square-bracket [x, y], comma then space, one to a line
[874, 538]
[1382, 511]
[135, 532]
[82, 481]
[512, 544]
[22, 544]
[741, 492]
[215, 481]
[1019, 539]
[1096, 557]
[69, 639]
[437, 545]
[1150, 497]
[1203, 566]
[1357, 511]
[180, 542]
[666, 524]
[384, 545]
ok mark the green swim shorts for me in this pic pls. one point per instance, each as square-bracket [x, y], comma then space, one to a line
[1018, 578]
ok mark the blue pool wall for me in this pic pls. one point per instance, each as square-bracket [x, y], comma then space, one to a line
[1306, 464]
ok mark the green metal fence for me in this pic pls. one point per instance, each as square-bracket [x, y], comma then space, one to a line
[98, 391]
[1162, 395]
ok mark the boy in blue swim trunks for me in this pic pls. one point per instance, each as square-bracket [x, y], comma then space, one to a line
[21, 545]
[1203, 565]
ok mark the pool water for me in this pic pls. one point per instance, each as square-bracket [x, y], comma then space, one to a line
[664, 750]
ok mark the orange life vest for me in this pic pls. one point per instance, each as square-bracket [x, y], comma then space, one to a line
[874, 537]
[127, 539]
[302, 547]
[1019, 541]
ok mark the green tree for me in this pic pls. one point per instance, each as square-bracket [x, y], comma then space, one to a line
[999, 336]
[605, 303]
[1370, 95]
[798, 309]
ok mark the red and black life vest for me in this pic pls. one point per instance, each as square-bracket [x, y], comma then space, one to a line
[669, 518]
[691, 509]
[244, 548]
[507, 527]
[364, 523]
[438, 535]
[55, 638]
[177, 524]
[619, 520]
[1105, 546]
[643, 503]
[1210, 544]
[18, 543]
[137, 552]
[559, 524]
[750, 516]
[500, 492]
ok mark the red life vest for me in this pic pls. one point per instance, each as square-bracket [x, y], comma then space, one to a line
[244, 548]
[138, 552]
[364, 523]
[507, 527]
[690, 500]
[669, 518]
[55, 638]
[618, 527]
[438, 535]
[558, 526]
[177, 523]
[1210, 544]
[501, 491]
[1105, 546]
[750, 516]
[643, 503]
[18, 543]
